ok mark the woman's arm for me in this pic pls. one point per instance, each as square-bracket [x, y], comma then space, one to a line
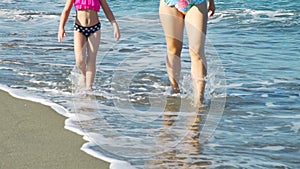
[211, 7]
[110, 16]
[63, 19]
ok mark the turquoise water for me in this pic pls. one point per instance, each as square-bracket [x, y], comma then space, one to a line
[254, 64]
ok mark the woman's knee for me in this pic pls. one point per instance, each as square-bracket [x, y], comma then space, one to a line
[196, 54]
[174, 46]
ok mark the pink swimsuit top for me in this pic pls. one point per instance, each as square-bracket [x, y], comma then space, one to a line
[87, 4]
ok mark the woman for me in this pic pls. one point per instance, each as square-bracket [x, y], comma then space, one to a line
[193, 14]
[86, 35]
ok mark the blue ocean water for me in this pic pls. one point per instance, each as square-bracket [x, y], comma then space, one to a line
[131, 120]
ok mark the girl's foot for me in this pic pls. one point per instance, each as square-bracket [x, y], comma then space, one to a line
[89, 89]
[81, 82]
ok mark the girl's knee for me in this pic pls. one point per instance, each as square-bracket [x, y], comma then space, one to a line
[80, 64]
[91, 67]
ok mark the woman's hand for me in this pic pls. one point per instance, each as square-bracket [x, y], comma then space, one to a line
[211, 8]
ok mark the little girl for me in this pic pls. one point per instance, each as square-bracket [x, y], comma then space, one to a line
[86, 35]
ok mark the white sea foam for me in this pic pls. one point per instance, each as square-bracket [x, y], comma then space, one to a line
[297, 116]
[271, 128]
[271, 105]
[273, 148]
[295, 127]
[253, 16]
[23, 94]
[7, 1]
[20, 15]
[5, 68]
[115, 164]
[279, 15]
[294, 97]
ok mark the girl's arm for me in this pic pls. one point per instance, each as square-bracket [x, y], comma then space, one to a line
[63, 19]
[211, 7]
[110, 16]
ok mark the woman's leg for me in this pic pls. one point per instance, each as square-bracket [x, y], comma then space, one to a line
[92, 49]
[173, 22]
[80, 43]
[196, 25]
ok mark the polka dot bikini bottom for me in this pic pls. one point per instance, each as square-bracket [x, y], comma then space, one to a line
[87, 31]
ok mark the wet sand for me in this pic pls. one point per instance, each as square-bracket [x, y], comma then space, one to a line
[33, 136]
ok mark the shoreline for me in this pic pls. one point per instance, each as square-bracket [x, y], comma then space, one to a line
[33, 136]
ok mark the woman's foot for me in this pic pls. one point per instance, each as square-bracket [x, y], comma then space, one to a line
[199, 88]
[175, 88]
[198, 101]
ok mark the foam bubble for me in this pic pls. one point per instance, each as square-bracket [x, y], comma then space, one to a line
[271, 105]
[273, 148]
[295, 126]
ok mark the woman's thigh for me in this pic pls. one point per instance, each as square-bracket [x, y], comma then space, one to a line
[196, 26]
[173, 23]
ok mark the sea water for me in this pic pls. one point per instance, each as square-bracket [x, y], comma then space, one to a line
[251, 117]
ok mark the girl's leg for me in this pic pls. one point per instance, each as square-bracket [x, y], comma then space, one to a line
[196, 25]
[80, 43]
[92, 49]
[172, 21]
